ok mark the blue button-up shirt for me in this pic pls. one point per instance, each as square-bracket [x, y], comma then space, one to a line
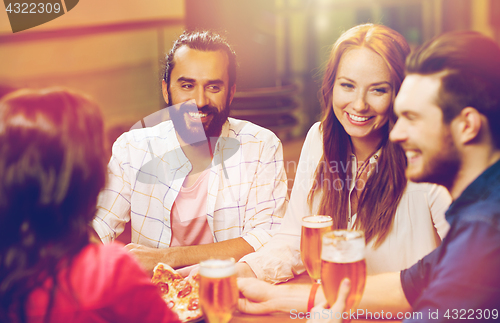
[461, 278]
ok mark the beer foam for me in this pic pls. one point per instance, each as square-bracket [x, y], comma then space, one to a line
[317, 221]
[217, 268]
[343, 246]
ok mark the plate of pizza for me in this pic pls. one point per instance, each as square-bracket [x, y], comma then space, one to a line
[180, 294]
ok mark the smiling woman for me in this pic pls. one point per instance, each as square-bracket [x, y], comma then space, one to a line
[349, 170]
[363, 76]
[362, 95]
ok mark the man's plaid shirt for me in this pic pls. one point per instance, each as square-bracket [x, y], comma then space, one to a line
[247, 192]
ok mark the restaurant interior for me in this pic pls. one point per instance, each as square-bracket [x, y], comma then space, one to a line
[113, 51]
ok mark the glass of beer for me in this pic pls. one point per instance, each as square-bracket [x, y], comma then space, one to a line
[313, 227]
[343, 256]
[218, 289]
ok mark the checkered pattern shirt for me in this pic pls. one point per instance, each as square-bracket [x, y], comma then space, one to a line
[247, 187]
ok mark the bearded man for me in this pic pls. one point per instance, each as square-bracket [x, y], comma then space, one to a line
[201, 184]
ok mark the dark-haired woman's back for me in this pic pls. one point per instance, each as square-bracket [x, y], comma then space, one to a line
[52, 168]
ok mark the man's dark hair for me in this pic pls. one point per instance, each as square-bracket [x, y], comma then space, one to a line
[471, 65]
[203, 41]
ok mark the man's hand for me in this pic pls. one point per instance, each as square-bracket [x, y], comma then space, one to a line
[179, 257]
[260, 297]
[244, 270]
[189, 271]
[318, 312]
[147, 257]
[93, 236]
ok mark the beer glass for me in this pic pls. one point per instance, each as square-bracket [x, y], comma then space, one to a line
[313, 227]
[343, 256]
[218, 289]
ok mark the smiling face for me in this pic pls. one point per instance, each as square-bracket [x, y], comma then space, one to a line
[201, 76]
[362, 94]
[428, 142]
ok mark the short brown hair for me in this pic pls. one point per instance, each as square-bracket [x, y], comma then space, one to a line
[471, 62]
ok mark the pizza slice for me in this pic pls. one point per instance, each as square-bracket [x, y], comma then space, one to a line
[180, 294]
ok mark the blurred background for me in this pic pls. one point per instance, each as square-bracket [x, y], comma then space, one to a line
[112, 50]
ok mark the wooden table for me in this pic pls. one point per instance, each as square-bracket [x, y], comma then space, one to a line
[287, 317]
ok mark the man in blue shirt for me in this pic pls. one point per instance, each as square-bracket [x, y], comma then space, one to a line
[449, 127]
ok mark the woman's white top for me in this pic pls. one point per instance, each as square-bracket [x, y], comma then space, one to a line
[418, 228]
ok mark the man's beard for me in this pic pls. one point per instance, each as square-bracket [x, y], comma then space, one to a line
[443, 166]
[198, 133]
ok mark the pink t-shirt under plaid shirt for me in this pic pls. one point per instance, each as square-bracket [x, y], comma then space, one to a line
[189, 215]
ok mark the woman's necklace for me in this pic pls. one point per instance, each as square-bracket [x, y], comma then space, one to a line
[355, 197]
[361, 169]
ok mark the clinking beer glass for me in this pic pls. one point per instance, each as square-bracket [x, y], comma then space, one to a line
[343, 256]
[313, 227]
[218, 289]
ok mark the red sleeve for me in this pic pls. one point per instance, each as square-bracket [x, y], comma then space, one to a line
[121, 290]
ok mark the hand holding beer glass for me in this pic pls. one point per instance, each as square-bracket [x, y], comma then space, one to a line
[343, 256]
[218, 289]
[313, 227]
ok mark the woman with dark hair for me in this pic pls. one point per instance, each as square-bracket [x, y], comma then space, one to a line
[52, 167]
[348, 168]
